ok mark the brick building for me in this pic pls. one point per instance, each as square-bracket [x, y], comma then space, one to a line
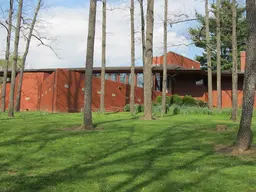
[61, 90]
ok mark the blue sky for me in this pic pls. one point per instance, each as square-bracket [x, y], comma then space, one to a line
[65, 22]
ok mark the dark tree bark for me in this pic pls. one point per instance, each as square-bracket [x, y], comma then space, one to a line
[15, 59]
[7, 56]
[208, 55]
[142, 19]
[147, 69]
[165, 60]
[89, 67]
[132, 102]
[234, 67]
[219, 94]
[103, 59]
[245, 134]
[23, 61]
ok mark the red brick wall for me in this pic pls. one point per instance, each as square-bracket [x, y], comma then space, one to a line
[46, 93]
[173, 58]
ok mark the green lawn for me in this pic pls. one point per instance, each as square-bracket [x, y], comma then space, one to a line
[175, 153]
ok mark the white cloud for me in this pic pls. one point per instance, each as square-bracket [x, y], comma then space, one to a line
[69, 26]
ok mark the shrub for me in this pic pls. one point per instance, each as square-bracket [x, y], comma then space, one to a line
[159, 99]
[176, 99]
[188, 100]
[176, 110]
[127, 108]
[201, 103]
[139, 108]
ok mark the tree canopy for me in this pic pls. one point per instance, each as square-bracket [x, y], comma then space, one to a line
[197, 34]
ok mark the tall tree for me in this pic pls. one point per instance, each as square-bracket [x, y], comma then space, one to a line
[234, 59]
[15, 59]
[103, 59]
[209, 65]
[28, 40]
[165, 60]
[147, 68]
[142, 20]
[197, 34]
[89, 67]
[132, 102]
[219, 95]
[245, 134]
[7, 56]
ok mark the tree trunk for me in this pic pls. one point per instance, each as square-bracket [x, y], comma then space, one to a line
[219, 95]
[15, 59]
[208, 55]
[132, 102]
[142, 30]
[245, 134]
[103, 65]
[147, 69]
[18, 96]
[7, 56]
[165, 60]
[234, 58]
[89, 67]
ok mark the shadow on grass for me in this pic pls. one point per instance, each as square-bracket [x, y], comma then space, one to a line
[142, 155]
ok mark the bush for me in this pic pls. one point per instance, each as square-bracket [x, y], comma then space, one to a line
[201, 103]
[138, 108]
[188, 100]
[127, 108]
[159, 99]
[176, 99]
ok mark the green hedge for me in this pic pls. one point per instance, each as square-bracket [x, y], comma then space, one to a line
[187, 100]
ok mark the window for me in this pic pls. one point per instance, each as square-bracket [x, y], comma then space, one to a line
[113, 77]
[201, 82]
[140, 79]
[96, 75]
[106, 76]
[123, 77]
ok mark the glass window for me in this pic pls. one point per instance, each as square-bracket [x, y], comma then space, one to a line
[123, 77]
[113, 77]
[140, 79]
[106, 76]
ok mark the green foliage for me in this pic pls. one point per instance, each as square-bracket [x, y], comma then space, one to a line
[197, 34]
[201, 103]
[188, 100]
[176, 99]
[159, 99]
[138, 108]
[127, 108]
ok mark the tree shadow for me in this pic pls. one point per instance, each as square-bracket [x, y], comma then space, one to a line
[142, 154]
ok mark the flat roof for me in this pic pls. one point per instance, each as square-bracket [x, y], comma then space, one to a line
[138, 69]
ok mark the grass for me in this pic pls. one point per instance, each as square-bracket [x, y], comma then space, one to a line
[175, 153]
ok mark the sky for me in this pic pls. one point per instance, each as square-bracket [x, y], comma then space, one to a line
[65, 24]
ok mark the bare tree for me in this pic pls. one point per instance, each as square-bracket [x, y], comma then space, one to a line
[245, 134]
[132, 102]
[208, 55]
[234, 67]
[28, 40]
[89, 67]
[103, 60]
[147, 69]
[15, 58]
[142, 19]
[7, 56]
[165, 59]
[219, 95]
